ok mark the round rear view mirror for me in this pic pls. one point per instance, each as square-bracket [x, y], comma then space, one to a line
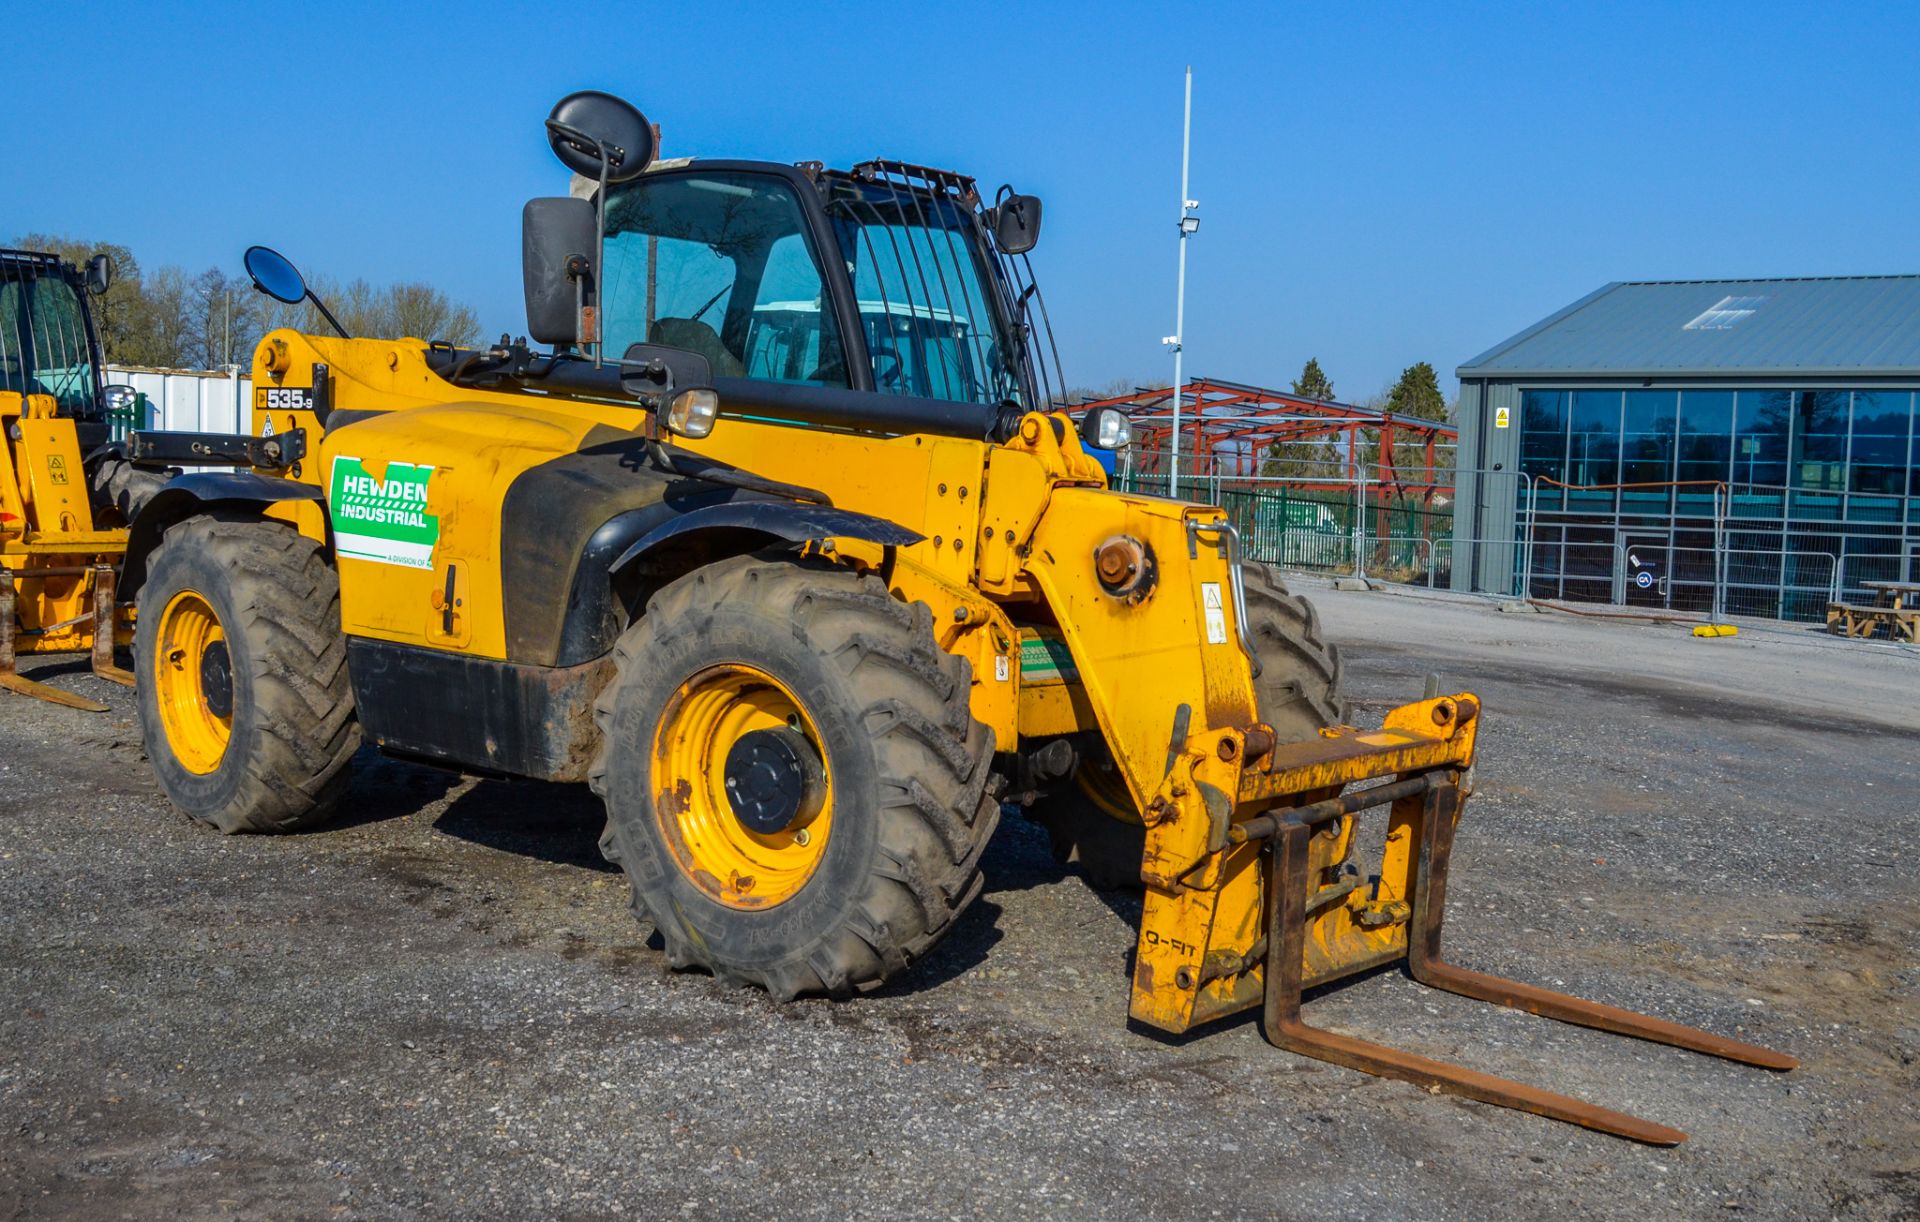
[589, 127]
[273, 275]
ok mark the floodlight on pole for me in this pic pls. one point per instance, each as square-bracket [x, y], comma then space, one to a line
[1189, 225]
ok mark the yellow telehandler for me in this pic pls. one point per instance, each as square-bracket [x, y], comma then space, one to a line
[780, 541]
[65, 498]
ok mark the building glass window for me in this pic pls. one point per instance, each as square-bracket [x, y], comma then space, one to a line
[1706, 437]
[1647, 437]
[1543, 433]
[1820, 440]
[1762, 427]
[1593, 446]
[1882, 424]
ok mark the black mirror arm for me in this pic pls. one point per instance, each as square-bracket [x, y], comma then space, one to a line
[327, 314]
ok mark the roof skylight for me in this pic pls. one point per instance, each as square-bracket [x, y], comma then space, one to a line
[1723, 314]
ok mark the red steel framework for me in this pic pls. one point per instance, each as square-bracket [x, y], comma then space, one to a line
[1228, 428]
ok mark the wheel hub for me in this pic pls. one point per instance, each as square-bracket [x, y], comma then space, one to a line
[742, 786]
[773, 780]
[216, 679]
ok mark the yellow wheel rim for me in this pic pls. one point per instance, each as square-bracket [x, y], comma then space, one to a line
[714, 843]
[193, 678]
[1101, 782]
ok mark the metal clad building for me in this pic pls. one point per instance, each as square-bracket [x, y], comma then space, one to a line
[1768, 420]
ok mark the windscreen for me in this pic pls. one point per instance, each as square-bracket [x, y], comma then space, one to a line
[924, 295]
[44, 347]
[719, 264]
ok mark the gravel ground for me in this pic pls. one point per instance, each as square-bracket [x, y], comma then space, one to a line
[439, 1006]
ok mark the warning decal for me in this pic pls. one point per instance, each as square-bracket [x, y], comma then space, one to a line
[385, 521]
[1215, 613]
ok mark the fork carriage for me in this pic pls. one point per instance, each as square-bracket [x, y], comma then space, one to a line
[1291, 833]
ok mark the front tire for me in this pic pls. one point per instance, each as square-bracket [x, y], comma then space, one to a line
[245, 703]
[862, 793]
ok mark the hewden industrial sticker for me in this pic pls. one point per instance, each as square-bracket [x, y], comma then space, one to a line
[383, 521]
[1216, 614]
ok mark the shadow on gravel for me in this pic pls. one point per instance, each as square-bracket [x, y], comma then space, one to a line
[974, 935]
[1252, 1017]
[1017, 859]
[385, 788]
[560, 824]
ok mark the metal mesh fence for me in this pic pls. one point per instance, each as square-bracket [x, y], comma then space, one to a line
[1746, 550]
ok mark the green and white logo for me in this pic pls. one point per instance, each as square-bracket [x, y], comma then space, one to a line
[1045, 660]
[386, 522]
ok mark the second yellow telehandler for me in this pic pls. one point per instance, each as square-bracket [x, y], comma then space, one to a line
[65, 496]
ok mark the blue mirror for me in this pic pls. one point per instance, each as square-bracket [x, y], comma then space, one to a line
[273, 275]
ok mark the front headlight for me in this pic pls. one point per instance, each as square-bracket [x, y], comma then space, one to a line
[120, 398]
[1106, 428]
[693, 411]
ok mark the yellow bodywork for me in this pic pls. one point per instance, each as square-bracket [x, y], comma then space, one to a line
[48, 539]
[1006, 564]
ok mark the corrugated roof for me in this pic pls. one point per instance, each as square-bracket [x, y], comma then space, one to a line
[1815, 325]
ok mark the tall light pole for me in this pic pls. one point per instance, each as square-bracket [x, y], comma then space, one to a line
[1189, 225]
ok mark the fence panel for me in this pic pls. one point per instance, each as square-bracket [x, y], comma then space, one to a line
[1754, 551]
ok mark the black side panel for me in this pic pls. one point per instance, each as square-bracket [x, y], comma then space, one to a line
[572, 528]
[528, 721]
[562, 524]
[185, 495]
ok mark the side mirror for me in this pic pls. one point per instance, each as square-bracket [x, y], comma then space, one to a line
[601, 137]
[99, 274]
[275, 275]
[1016, 222]
[559, 253]
[675, 383]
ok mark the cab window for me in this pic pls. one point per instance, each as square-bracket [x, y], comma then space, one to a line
[719, 264]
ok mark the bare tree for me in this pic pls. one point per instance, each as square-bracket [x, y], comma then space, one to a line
[167, 319]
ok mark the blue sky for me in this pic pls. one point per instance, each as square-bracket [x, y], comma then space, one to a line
[1380, 184]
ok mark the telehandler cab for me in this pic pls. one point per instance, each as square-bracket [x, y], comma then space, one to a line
[786, 548]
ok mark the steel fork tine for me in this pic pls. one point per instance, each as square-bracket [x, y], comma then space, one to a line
[1440, 814]
[1286, 945]
[1582, 1013]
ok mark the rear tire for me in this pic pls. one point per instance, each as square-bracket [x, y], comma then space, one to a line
[245, 703]
[1298, 694]
[909, 800]
[118, 485]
